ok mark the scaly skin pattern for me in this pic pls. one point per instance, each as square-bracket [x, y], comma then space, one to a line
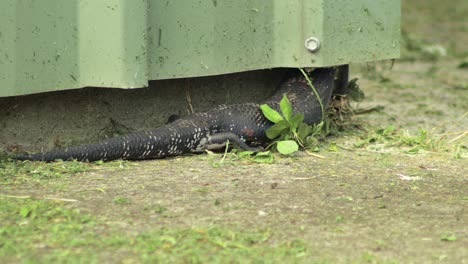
[199, 131]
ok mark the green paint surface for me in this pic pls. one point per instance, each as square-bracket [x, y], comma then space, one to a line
[55, 45]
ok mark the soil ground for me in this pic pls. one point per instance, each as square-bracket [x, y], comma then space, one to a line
[394, 192]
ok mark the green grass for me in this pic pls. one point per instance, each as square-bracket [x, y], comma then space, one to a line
[422, 141]
[35, 231]
[14, 172]
[17, 172]
[122, 200]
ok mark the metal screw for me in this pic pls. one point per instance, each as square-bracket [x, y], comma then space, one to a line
[312, 44]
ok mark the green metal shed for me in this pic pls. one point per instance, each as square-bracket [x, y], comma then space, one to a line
[52, 45]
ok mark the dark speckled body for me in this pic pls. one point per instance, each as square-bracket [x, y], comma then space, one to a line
[196, 132]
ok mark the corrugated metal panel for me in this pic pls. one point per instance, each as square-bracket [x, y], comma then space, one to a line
[54, 44]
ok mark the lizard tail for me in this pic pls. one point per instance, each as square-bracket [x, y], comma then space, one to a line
[156, 143]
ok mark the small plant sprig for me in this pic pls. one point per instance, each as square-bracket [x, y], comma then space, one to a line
[289, 131]
[309, 82]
